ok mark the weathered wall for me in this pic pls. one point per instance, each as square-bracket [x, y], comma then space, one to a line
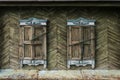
[107, 34]
[9, 39]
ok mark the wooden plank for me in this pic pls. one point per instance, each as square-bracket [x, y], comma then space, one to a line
[28, 58]
[23, 40]
[82, 38]
[44, 44]
[27, 33]
[75, 39]
[33, 42]
[70, 42]
[87, 43]
[52, 0]
[20, 43]
[32, 35]
[38, 49]
[23, 55]
[80, 42]
[39, 53]
[80, 4]
[27, 50]
[92, 42]
[27, 26]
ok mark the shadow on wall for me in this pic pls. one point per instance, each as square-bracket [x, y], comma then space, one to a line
[2, 41]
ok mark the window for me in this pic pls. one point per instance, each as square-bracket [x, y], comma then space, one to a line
[32, 50]
[81, 43]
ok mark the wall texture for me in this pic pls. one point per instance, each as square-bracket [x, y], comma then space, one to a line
[107, 34]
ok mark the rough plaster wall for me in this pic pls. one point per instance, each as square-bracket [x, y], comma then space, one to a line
[107, 34]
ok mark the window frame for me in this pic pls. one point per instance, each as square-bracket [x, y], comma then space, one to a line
[32, 61]
[81, 22]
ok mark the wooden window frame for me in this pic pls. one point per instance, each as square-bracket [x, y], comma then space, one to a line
[81, 22]
[32, 60]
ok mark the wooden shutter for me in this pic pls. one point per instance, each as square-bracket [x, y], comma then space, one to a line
[32, 50]
[81, 44]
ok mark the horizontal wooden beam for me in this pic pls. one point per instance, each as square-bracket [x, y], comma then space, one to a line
[51, 0]
[65, 3]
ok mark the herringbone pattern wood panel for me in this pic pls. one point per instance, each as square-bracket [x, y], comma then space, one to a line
[10, 52]
[57, 55]
[114, 41]
[4, 55]
[107, 38]
[107, 34]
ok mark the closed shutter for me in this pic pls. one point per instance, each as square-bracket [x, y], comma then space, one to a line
[32, 50]
[81, 42]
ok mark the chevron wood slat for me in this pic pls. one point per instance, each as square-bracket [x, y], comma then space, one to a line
[107, 34]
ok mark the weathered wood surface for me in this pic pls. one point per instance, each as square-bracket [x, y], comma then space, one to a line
[59, 0]
[9, 40]
[34, 42]
[51, 0]
[60, 75]
[108, 40]
[81, 42]
[107, 34]
[97, 3]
